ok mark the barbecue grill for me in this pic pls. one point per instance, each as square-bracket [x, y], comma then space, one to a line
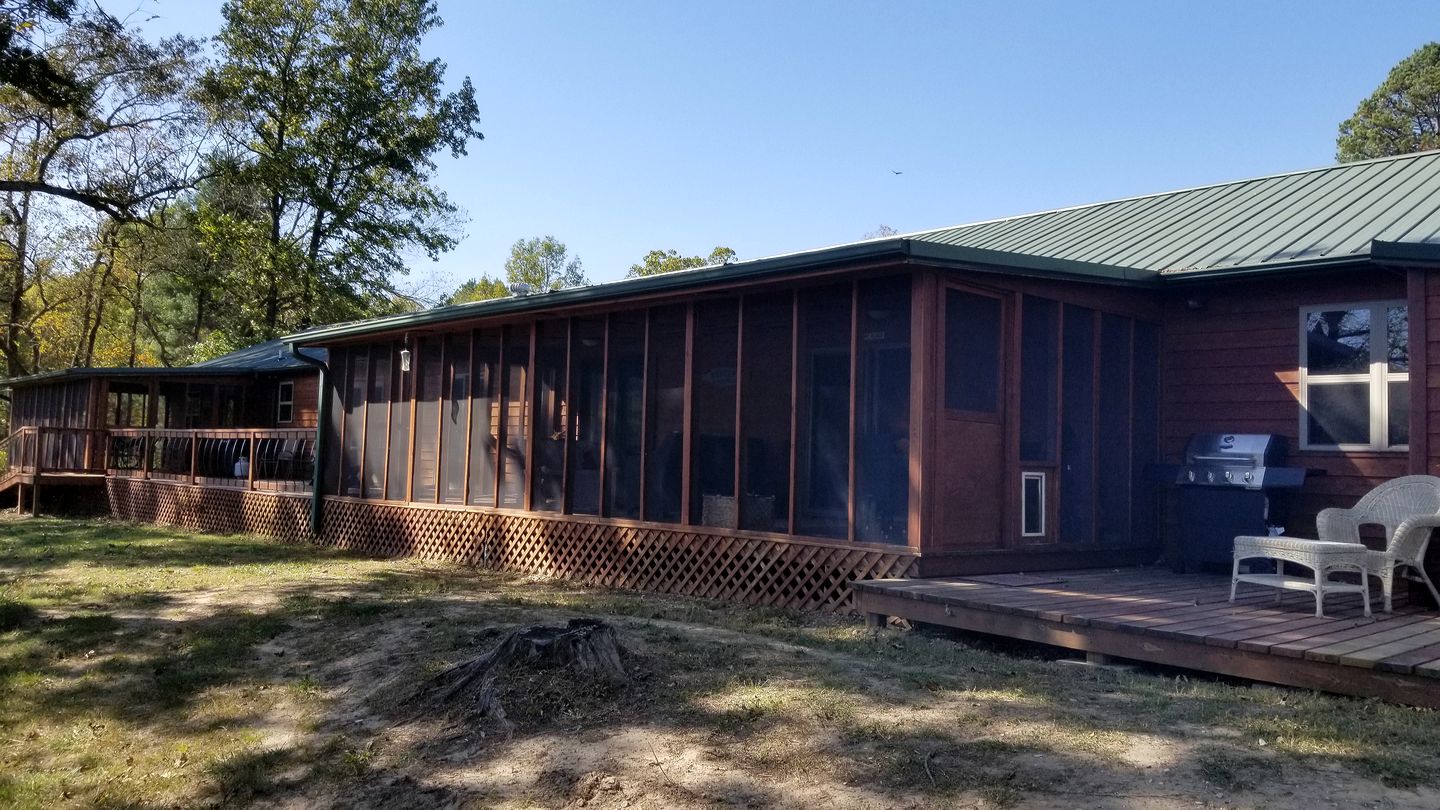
[1230, 484]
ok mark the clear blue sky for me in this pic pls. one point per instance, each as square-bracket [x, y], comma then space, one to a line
[769, 127]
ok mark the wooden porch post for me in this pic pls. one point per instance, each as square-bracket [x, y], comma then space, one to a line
[1416, 281]
[250, 471]
[194, 453]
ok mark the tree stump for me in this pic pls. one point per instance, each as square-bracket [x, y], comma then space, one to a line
[468, 691]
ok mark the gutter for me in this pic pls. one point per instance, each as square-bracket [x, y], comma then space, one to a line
[322, 436]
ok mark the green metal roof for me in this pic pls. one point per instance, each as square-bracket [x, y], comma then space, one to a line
[1386, 209]
[1332, 213]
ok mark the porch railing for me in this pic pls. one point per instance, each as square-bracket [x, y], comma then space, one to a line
[272, 460]
[31, 450]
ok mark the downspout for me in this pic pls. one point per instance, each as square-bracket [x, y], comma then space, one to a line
[322, 436]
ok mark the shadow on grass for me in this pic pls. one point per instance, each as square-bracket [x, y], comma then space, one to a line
[34, 544]
[780, 691]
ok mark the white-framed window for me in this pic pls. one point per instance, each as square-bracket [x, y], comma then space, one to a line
[1355, 376]
[1032, 504]
[285, 403]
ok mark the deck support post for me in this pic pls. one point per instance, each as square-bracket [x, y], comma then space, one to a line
[876, 621]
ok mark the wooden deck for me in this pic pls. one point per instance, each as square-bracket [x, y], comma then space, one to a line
[1187, 621]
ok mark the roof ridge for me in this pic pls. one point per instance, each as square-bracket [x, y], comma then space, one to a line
[1157, 194]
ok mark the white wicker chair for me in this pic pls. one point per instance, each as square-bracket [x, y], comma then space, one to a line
[1408, 508]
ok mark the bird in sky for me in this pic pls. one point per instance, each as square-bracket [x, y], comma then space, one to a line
[896, 171]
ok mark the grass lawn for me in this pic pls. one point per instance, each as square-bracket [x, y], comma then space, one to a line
[142, 667]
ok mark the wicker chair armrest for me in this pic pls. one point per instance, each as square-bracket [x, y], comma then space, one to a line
[1339, 525]
[1412, 536]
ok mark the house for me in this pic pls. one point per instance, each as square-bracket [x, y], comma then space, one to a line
[988, 400]
[69, 428]
[978, 399]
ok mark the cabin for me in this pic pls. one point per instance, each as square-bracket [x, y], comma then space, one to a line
[961, 425]
[70, 430]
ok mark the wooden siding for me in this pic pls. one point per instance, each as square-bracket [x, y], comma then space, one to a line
[1231, 363]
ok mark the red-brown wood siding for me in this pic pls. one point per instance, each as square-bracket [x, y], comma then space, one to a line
[1231, 363]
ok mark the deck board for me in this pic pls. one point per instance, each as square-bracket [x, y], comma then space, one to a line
[1188, 621]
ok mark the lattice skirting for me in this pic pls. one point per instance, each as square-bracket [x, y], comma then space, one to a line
[757, 570]
[212, 510]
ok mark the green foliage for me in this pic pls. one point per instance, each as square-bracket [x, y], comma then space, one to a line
[542, 264]
[23, 65]
[1401, 116]
[478, 289]
[333, 116]
[668, 261]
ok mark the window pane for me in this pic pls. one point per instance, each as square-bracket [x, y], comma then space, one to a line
[427, 418]
[624, 409]
[1398, 429]
[1032, 512]
[550, 415]
[356, 381]
[1039, 377]
[1113, 449]
[377, 405]
[453, 418]
[397, 480]
[765, 414]
[665, 415]
[822, 479]
[972, 352]
[1077, 428]
[484, 417]
[1339, 413]
[882, 446]
[336, 380]
[587, 377]
[1338, 341]
[712, 476]
[1397, 342]
[1145, 438]
[513, 410]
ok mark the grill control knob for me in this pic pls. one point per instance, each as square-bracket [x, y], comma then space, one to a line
[1190, 475]
[1249, 477]
[1227, 475]
[1210, 477]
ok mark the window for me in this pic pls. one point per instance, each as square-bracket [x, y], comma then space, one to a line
[1355, 377]
[1032, 509]
[285, 410]
[972, 352]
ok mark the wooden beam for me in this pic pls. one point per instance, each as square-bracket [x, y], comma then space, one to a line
[924, 401]
[854, 400]
[688, 429]
[794, 405]
[498, 406]
[739, 398]
[364, 407]
[393, 369]
[415, 366]
[568, 418]
[1418, 316]
[644, 409]
[445, 383]
[604, 408]
[527, 419]
[469, 418]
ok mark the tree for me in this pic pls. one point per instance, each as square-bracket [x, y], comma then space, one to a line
[23, 63]
[124, 157]
[331, 111]
[543, 265]
[668, 261]
[1401, 116]
[882, 231]
[477, 289]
